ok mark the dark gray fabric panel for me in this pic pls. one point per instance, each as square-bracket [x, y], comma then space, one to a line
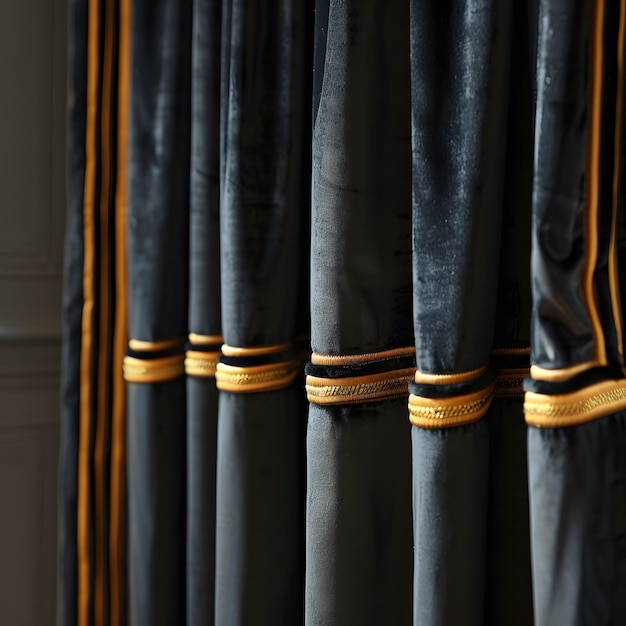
[204, 228]
[359, 545]
[159, 156]
[265, 104]
[450, 496]
[260, 509]
[201, 465]
[67, 603]
[361, 225]
[508, 578]
[577, 481]
[460, 56]
[156, 503]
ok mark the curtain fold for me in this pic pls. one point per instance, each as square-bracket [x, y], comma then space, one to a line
[576, 472]
[343, 314]
[358, 457]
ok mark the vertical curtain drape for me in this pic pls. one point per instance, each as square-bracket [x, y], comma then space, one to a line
[343, 331]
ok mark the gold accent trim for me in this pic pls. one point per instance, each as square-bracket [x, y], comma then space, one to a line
[356, 389]
[451, 378]
[140, 345]
[202, 364]
[576, 407]
[355, 359]
[613, 260]
[205, 340]
[84, 497]
[504, 352]
[256, 378]
[452, 411]
[153, 370]
[560, 374]
[254, 351]
[593, 176]
[509, 382]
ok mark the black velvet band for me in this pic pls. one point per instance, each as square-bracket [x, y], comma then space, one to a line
[360, 369]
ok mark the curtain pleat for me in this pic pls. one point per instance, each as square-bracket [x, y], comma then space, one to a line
[358, 561]
[261, 414]
[158, 260]
[575, 398]
[205, 327]
[342, 333]
[461, 57]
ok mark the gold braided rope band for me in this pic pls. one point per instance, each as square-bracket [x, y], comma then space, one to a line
[204, 340]
[561, 374]
[356, 389]
[576, 407]
[201, 364]
[359, 359]
[454, 378]
[139, 345]
[153, 370]
[237, 351]
[509, 383]
[256, 378]
[450, 411]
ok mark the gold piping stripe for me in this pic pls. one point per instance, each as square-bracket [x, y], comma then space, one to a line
[503, 352]
[254, 351]
[153, 370]
[451, 411]
[613, 260]
[576, 407]
[449, 379]
[509, 383]
[83, 504]
[352, 389]
[118, 427]
[593, 176]
[205, 340]
[203, 364]
[140, 345]
[354, 359]
[257, 378]
[561, 374]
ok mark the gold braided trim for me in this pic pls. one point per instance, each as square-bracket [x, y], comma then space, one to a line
[560, 374]
[449, 379]
[256, 378]
[202, 364]
[509, 383]
[357, 359]
[503, 352]
[452, 411]
[139, 345]
[356, 389]
[153, 370]
[576, 407]
[205, 340]
[254, 351]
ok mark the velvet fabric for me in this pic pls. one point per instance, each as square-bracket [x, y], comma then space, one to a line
[358, 529]
[365, 204]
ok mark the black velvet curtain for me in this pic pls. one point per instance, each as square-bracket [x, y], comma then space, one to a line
[313, 249]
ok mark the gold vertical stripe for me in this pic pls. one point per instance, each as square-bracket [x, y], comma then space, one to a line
[102, 418]
[613, 269]
[597, 71]
[86, 391]
[118, 427]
